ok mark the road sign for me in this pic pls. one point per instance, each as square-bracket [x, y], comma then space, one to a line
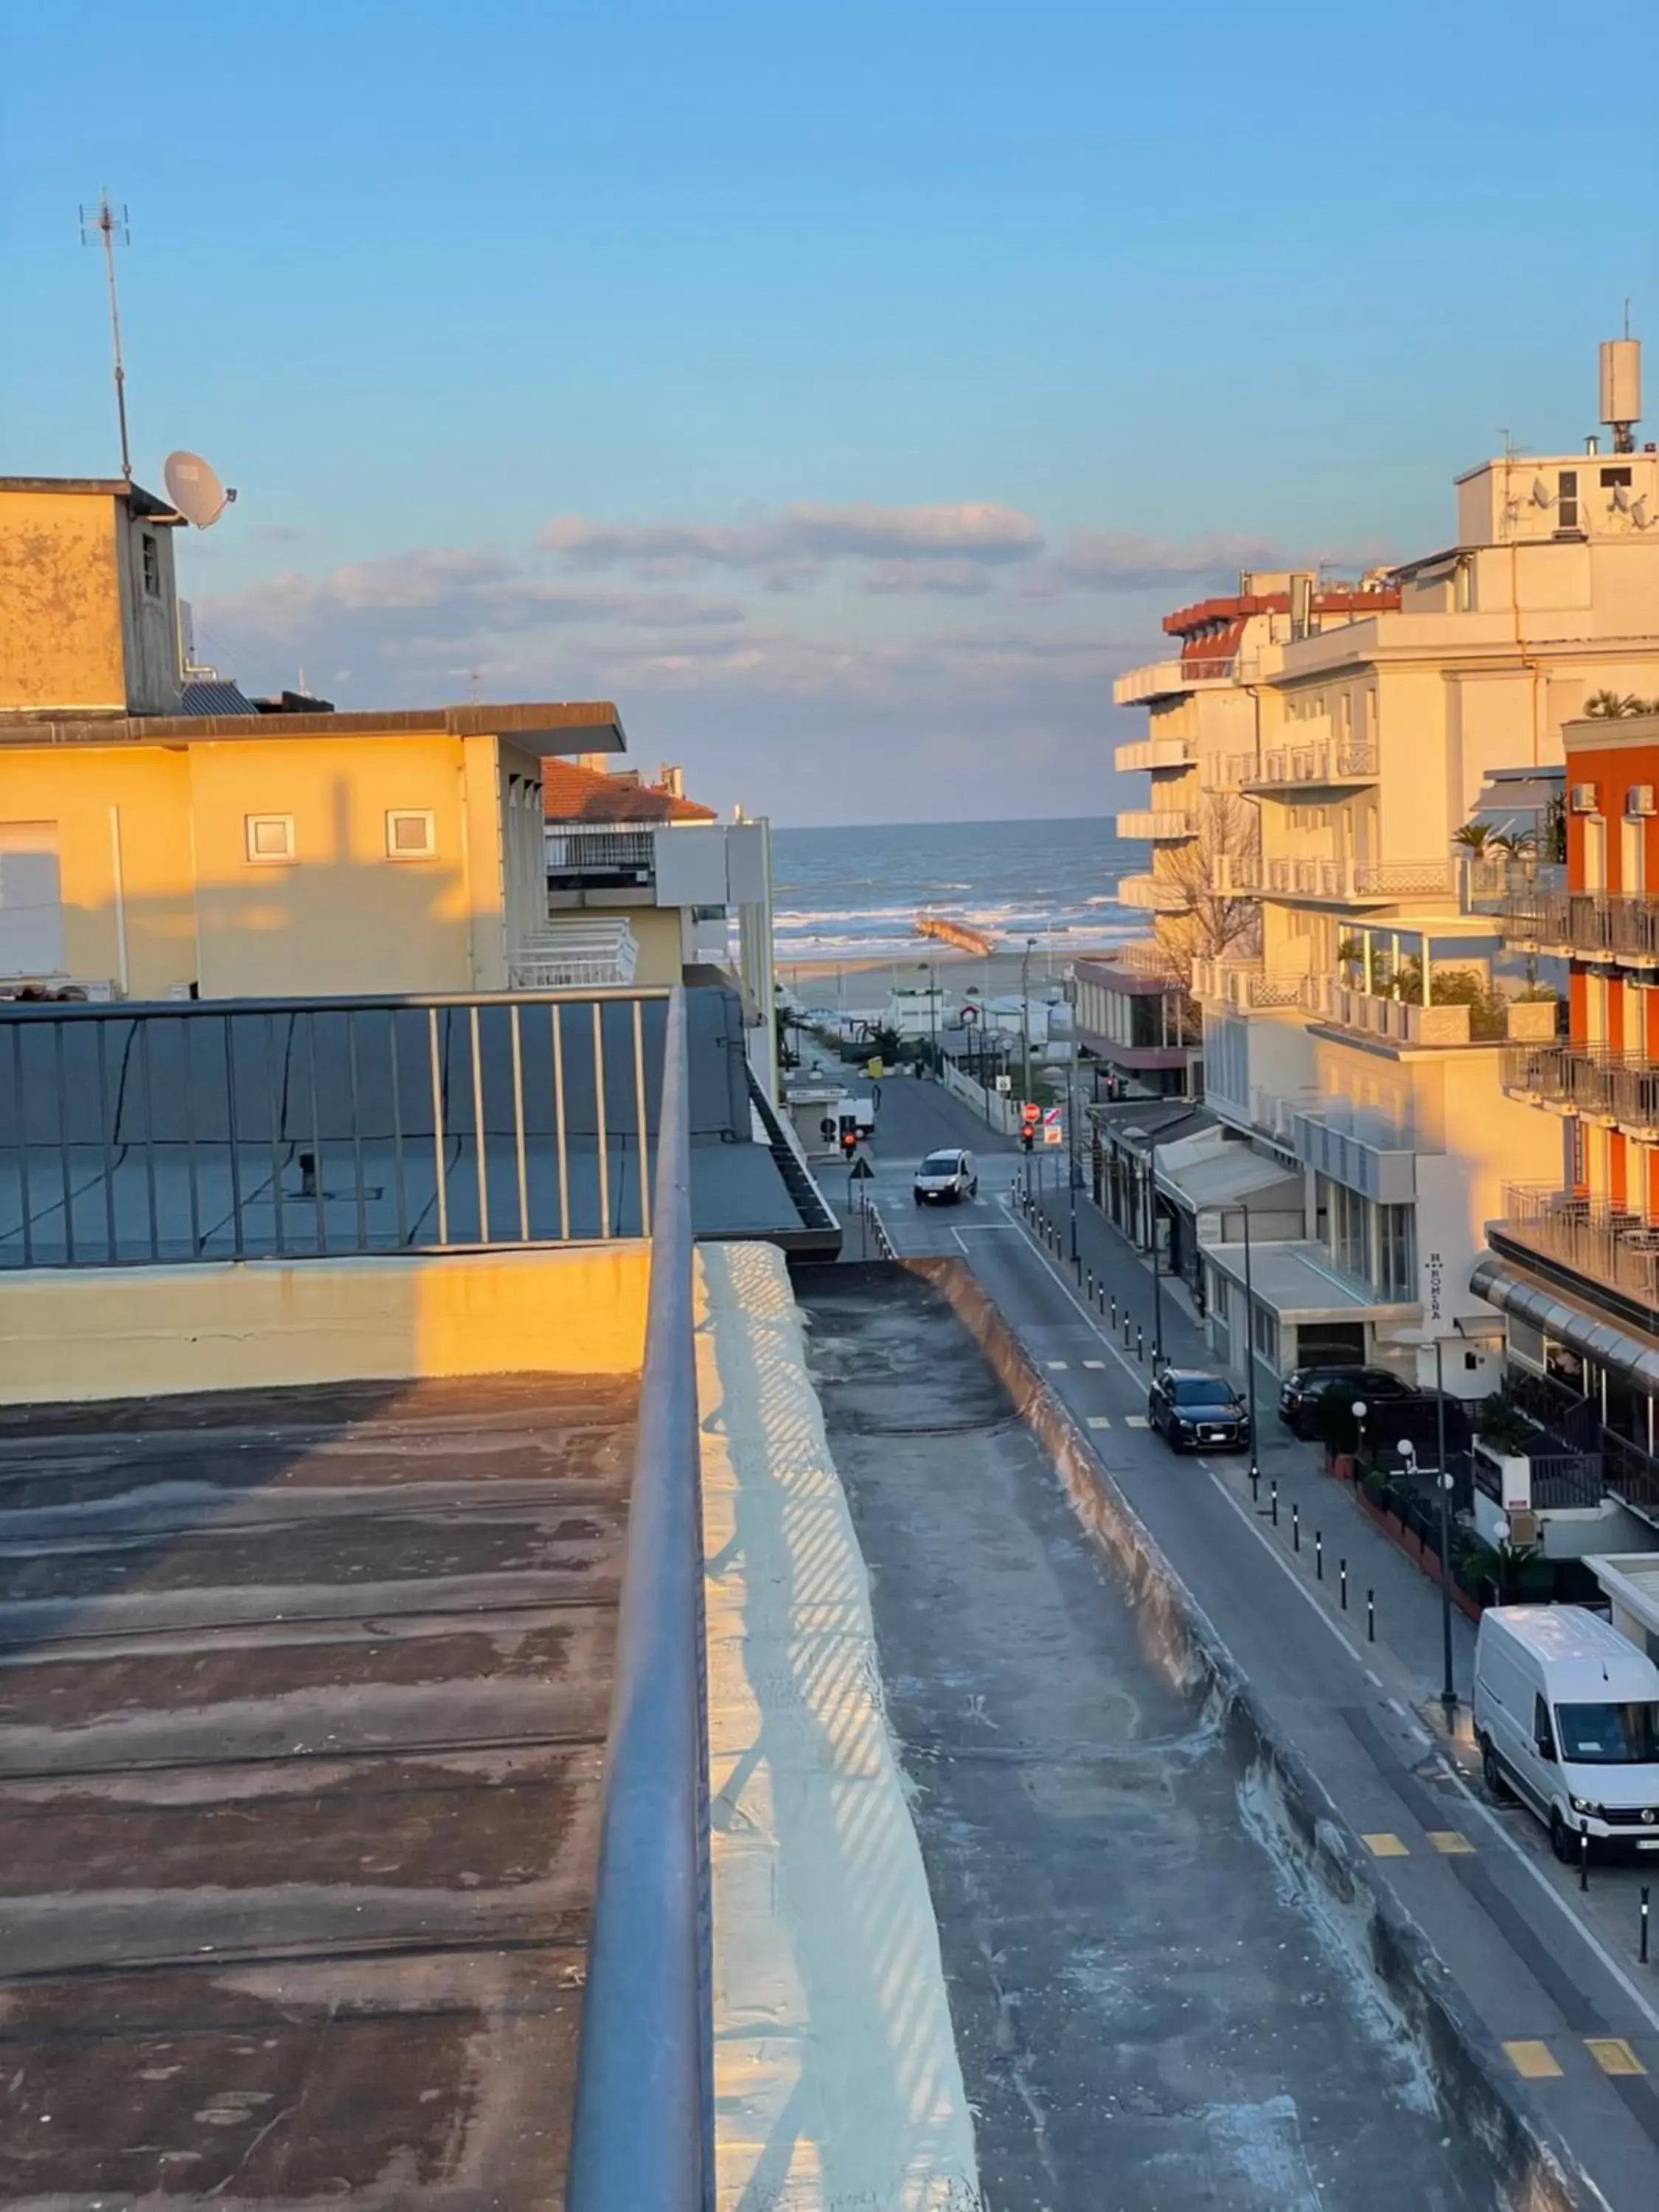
[1004, 1084]
[862, 1170]
[1053, 1131]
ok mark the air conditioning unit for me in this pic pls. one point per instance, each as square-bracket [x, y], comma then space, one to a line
[1639, 799]
[1525, 1529]
[1584, 798]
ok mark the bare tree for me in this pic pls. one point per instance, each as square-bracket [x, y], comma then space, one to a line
[1216, 917]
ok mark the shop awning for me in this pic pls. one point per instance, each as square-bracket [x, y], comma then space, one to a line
[1297, 1282]
[1579, 1328]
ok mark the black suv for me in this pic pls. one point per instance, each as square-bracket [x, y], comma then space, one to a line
[1198, 1411]
[1303, 1391]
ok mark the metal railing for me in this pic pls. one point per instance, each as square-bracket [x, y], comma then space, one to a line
[643, 2130]
[1618, 1087]
[576, 849]
[1342, 759]
[1244, 984]
[1589, 1236]
[1610, 925]
[236, 1129]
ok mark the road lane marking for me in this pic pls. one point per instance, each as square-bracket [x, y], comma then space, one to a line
[1613, 2055]
[1452, 1842]
[1057, 1366]
[1586, 1934]
[1137, 1421]
[1094, 1362]
[1099, 1421]
[1533, 2061]
[1385, 1847]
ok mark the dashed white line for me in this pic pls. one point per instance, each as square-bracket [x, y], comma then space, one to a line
[1057, 1366]
[1099, 1421]
[1094, 1362]
[1137, 1420]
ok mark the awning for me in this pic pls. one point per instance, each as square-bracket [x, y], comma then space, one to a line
[1583, 1331]
[1297, 1282]
[1222, 1179]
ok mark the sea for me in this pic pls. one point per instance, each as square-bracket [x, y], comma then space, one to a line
[855, 894]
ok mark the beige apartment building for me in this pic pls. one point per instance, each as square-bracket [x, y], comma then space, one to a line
[1356, 1033]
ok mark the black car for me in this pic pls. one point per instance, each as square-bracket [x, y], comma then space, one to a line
[1305, 1388]
[1198, 1411]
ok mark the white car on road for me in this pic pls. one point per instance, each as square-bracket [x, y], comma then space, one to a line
[947, 1178]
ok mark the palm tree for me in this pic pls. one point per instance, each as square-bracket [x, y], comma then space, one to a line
[1474, 837]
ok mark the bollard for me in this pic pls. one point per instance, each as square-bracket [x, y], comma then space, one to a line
[1091, 1285]
[1343, 1576]
[1583, 1859]
[1371, 1616]
[1644, 1924]
[1125, 1328]
[1078, 1264]
[1115, 1313]
[1140, 1344]
[1255, 1484]
[1296, 1527]
[1103, 1301]
[1319, 1555]
[1272, 1501]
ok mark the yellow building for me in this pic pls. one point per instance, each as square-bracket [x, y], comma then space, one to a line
[88, 607]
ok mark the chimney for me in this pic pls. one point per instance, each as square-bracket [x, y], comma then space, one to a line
[671, 781]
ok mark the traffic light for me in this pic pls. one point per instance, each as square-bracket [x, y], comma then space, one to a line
[1031, 1113]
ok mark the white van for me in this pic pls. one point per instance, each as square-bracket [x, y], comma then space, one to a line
[1566, 1714]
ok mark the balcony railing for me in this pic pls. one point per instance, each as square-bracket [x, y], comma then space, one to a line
[1158, 823]
[1394, 1019]
[1386, 1173]
[1591, 1237]
[1595, 924]
[1153, 894]
[579, 852]
[1363, 882]
[643, 2127]
[1344, 760]
[1144, 957]
[1619, 1088]
[239, 1130]
[1158, 679]
[1246, 985]
[1155, 753]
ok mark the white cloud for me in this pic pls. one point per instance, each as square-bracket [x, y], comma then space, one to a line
[799, 545]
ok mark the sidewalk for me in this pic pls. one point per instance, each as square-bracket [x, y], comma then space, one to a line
[1408, 1623]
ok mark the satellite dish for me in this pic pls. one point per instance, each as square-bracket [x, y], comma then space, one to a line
[194, 490]
[1638, 512]
[1540, 493]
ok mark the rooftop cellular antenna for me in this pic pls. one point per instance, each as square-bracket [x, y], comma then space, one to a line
[109, 225]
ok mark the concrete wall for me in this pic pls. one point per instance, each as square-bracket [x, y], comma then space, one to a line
[156, 1332]
[149, 612]
[60, 603]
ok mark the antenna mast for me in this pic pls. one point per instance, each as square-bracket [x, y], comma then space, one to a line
[109, 225]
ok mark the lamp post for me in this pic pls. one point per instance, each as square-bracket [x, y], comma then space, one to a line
[932, 1013]
[1151, 1232]
[1249, 1351]
[1448, 1687]
[1025, 1010]
[1071, 1125]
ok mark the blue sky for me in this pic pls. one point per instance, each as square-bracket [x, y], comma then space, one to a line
[846, 394]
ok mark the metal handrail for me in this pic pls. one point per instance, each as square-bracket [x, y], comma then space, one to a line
[642, 2139]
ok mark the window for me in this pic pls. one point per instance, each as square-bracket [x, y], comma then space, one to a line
[1397, 1254]
[1566, 493]
[1542, 1734]
[151, 553]
[411, 835]
[1264, 1335]
[269, 836]
[1612, 478]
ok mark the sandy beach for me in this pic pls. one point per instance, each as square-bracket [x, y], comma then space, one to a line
[864, 984]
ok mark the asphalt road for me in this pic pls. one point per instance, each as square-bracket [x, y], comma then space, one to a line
[1551, 1975]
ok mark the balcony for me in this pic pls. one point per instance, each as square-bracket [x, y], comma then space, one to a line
[1144, 957]
[1590, 1236]
[1159, 824]
[1244, 986]
[1396, 1020]
[1588, 925]
[1154, 753]
[1163, 679]
[1385, 1173]
[1360, 884]
[1618, 1089]
[1153, 894]
[582, 858]
[1336, 763]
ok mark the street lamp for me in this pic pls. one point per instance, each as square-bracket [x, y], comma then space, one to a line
[1359, 1409]
[1071, 1127]
[1249, 1351]
[1025, 1007]
[932, 1011]
[1448, 1687]
[1151, 1232]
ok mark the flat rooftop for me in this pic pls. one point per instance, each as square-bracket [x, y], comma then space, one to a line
[302, 1705]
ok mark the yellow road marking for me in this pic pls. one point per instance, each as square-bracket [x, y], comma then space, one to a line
[1613, 2055]
[1384, 1846]
[1533, 2061]
[1452, 1841]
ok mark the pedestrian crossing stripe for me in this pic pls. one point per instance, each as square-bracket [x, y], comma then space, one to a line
[1613, 2055]
[1099, 1421]
[1094, 1362]
[1533, 2061]
[1138, 1420]
[1384, 1846]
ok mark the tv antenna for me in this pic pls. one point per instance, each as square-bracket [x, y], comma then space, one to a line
[109, 225]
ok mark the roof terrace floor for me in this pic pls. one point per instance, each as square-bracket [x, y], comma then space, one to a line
[302, 1702]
